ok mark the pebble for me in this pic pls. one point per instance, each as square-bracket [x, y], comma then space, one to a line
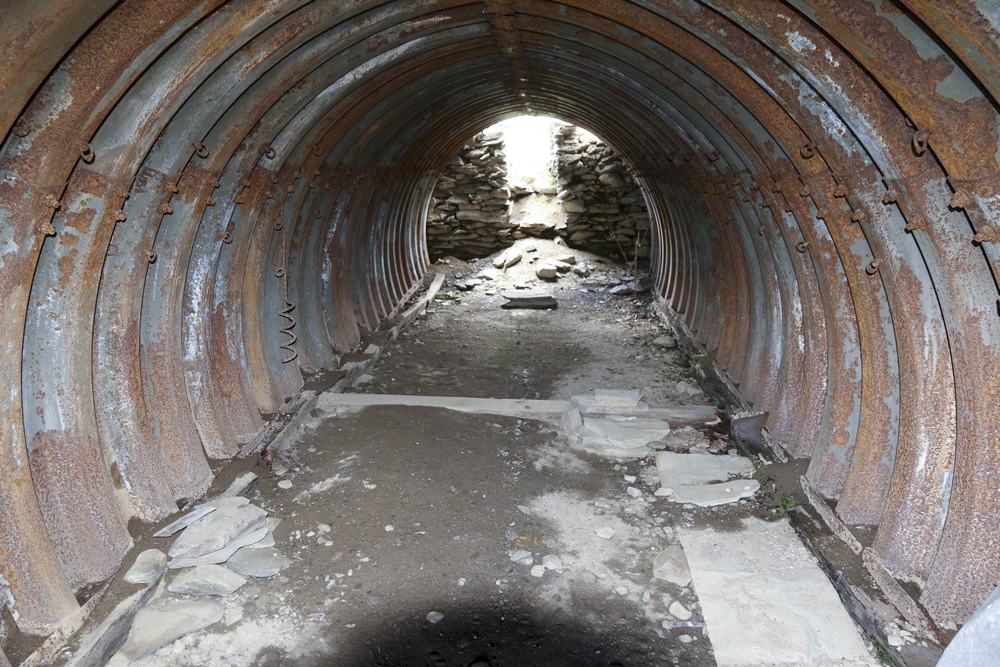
[435, 617]
[663, 491]
[285, 484]
[630, 479]
[621, 590]
[646, 597]
[685, 639]
[552, 562]
[148, 567]
[522, 555]
[389, 528]
[604, 532]
[679, 611]
[323, 528]
[634, 492]
[538, 571]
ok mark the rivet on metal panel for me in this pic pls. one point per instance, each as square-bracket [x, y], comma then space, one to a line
[808, 150]
[840, 191]
[269, 194]
[173, 188]
[227, 237]
[804, 191]
[120, 216]
[86, 152]
[986, 234]
[872, 267]
[279, 273]
[961, 200]
[802, 246]
[290, 188]
[46, 229]
[760, 230]
[858, 216]
[915, 224]
[210, 202]
[754, 185]
[713, 156]
[150, 256]
[53, 202]
[22, 129]
[890, 196]
[268, 153]
[200, 149]
[278, 226]
[166, 209]
[920, 140]
[317, 151]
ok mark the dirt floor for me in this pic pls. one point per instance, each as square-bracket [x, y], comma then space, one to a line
[423, 536]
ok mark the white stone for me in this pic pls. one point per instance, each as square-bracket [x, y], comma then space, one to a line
[285, 484]
[389, 528]
[765, 600]
[522, 556]
[435, 617]
[239, 485]
[668, 342]
[671, 565]
[709, 495]
[604, 532]
[677, 470]
[685, 639]
[546, 271]
[552, 562]
[206, 580]
[663, 491]
[538, 570]
[215, 537]
[634, 492]
[162, 623]
[148, 567]
[679, 611]
[258, 562]
[621, 590]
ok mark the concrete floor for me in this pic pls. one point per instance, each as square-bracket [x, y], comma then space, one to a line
[426, 536]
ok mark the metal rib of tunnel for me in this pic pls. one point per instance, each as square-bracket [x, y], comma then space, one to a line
[203, 200]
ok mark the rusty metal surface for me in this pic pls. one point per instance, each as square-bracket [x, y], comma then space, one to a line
[202, 199]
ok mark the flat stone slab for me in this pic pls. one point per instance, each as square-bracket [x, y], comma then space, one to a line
[978, 642]
[610, 401]
[766, 601]
[148, 567]
[720, 493]
[258, 562]
[529, 300]
[671, 565]
[677, 470]
[622, 432]
[217, 536]
[162, 623]
[206, 580]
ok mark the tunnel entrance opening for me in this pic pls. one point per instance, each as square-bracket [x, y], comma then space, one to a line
[537, 176]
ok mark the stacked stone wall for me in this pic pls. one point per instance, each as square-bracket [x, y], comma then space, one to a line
[468, 211]
[605, 211]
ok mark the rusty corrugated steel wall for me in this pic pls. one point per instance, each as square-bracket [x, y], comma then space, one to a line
[201, 199]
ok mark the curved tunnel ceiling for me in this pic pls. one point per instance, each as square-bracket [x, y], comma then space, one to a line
[200, 201]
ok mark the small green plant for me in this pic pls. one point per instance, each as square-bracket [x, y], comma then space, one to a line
[787, 504]
[883, 655]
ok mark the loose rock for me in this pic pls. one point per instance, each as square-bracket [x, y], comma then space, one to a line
[148, 567]
[206, 580]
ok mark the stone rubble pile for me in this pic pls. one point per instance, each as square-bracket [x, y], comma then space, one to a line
[605, 211]
[619, 424]
[219, 546]
[468, 212]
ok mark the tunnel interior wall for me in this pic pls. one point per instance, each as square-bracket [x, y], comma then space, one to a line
[202, 200]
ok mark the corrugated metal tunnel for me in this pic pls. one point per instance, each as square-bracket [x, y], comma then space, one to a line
[202, 200]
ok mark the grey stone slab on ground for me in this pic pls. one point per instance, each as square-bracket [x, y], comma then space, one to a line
[97, 645]
[978, 642]
[623, 432]
[671, 565]
[610, 401]
[148, 567]
[163, 622]
[529, 300]
[767, 602]
[692, 469]
[218, 529]
[206, 580]
[719, 493]
[252, 536]
[239, 485]
[258, 562]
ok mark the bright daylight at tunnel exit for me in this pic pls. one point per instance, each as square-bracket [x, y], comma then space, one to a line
[500, 333]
